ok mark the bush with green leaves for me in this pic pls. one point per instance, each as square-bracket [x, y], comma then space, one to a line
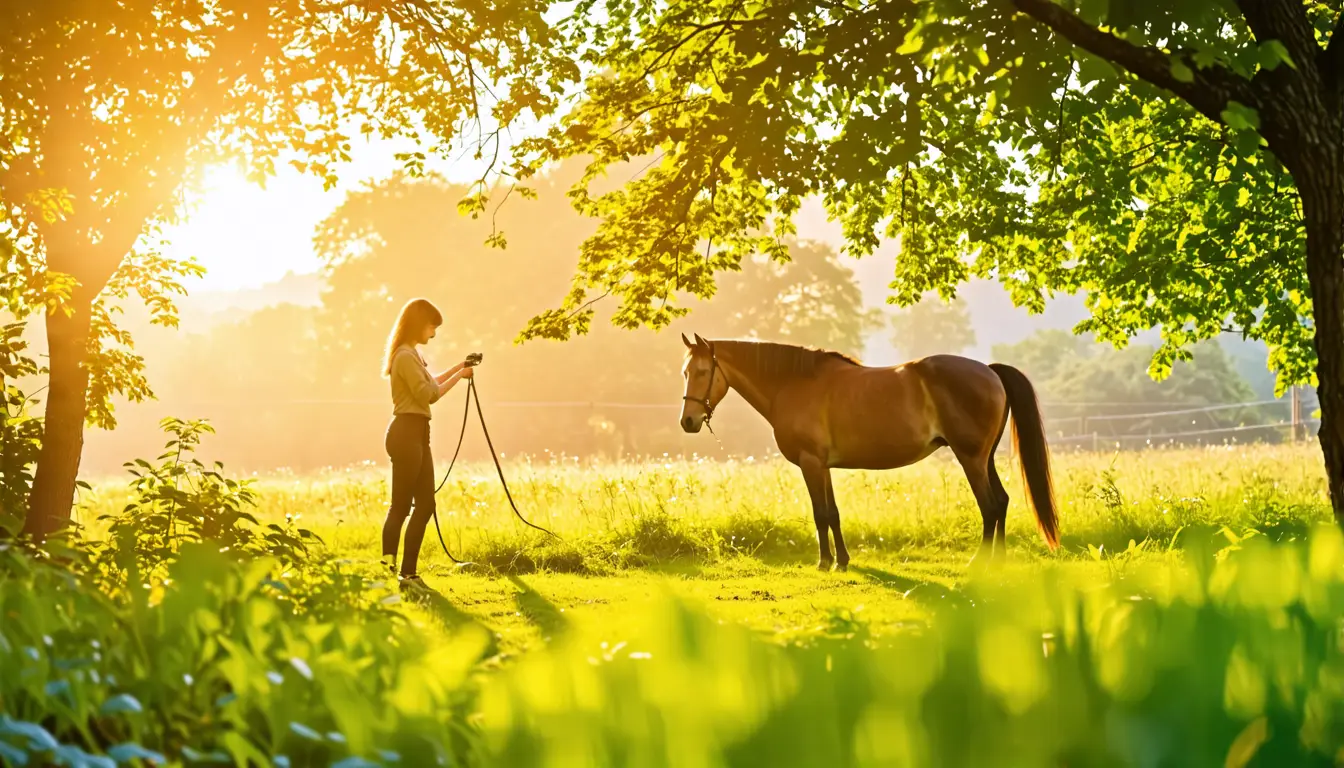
[181, 500]
[218, 666]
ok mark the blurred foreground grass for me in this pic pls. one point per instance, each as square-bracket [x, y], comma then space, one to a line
[1237, 660]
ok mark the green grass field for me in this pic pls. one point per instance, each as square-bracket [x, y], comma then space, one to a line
[737, 538]
[1192, 617]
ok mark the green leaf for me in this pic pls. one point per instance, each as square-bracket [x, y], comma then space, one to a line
[243, 750]
[1093, 11]
[1181, 71]
[302, 666]
[1247, 743]
[304, 731]
[914, 43]
[128, 751]
[1093, 68]
[39, 738]
[197, 756]
[1240, 117]
[12, 755]
[1272, 53]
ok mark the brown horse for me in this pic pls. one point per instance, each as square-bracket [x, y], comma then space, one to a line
[830, 412]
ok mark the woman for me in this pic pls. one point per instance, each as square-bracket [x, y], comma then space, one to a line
[414, 389]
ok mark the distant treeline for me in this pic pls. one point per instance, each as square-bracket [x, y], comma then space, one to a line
[298, 386]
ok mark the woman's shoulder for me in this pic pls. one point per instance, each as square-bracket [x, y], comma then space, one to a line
[406, 350]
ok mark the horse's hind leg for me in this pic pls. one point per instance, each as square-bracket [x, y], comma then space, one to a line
[1000, 498]
[818, 478]
[976, 467]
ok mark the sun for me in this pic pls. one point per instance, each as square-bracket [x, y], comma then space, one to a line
[246, 235]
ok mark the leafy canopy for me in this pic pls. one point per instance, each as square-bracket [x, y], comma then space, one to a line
[971, 131]
[109, 110]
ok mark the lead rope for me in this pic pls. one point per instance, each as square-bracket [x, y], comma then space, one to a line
[474, 396]
[466, 409]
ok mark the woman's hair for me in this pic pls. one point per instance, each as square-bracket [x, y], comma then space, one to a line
[415, 315]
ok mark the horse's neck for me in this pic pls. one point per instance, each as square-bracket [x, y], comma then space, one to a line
[759, 391]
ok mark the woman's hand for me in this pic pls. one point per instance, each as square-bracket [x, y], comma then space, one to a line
[450, 378]
[448, 374]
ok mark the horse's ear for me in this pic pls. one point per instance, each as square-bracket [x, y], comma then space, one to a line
[700, 342]
[689, 344]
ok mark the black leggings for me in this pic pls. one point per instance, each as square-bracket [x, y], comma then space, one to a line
[412, 480]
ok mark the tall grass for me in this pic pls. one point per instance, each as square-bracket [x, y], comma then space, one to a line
[621, 515]
[205, 654]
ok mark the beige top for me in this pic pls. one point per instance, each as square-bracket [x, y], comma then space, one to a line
[413, 386]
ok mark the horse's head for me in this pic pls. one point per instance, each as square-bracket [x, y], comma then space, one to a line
[705, 384]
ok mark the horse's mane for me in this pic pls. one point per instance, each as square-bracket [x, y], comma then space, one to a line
[774, 359]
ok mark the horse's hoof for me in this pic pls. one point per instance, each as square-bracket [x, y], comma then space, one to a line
[842, 568]
[824, 565]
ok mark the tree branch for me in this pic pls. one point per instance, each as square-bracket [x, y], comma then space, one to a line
[698, 29]
[587, 305]
[1209, 92]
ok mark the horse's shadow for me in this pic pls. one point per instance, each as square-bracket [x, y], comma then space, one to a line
[929, 593]
[451, 616]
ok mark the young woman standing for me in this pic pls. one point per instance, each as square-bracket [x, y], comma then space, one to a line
[414, 390]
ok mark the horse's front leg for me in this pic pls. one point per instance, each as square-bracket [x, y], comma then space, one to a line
[818, 478]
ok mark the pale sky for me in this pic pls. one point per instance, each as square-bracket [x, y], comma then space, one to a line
[246, 236]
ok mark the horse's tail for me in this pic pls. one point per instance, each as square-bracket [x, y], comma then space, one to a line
[1032, 451]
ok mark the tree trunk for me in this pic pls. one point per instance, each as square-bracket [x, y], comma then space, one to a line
[53, 494]
[1322, 191]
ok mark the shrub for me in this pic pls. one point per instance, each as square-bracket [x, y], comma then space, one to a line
[181, 500]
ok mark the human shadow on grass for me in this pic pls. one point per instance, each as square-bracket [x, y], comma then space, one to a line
[930, 593]
[540, 611]
[450, 616]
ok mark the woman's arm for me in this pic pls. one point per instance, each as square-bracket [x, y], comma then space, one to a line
[458, 373]
[443, 377]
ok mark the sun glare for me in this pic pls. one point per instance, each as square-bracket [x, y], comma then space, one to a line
[246, 235]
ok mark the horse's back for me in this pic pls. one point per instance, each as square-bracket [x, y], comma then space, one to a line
[886, 417]
[959, 377]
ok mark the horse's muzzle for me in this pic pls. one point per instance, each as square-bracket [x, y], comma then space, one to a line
[691, 424]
